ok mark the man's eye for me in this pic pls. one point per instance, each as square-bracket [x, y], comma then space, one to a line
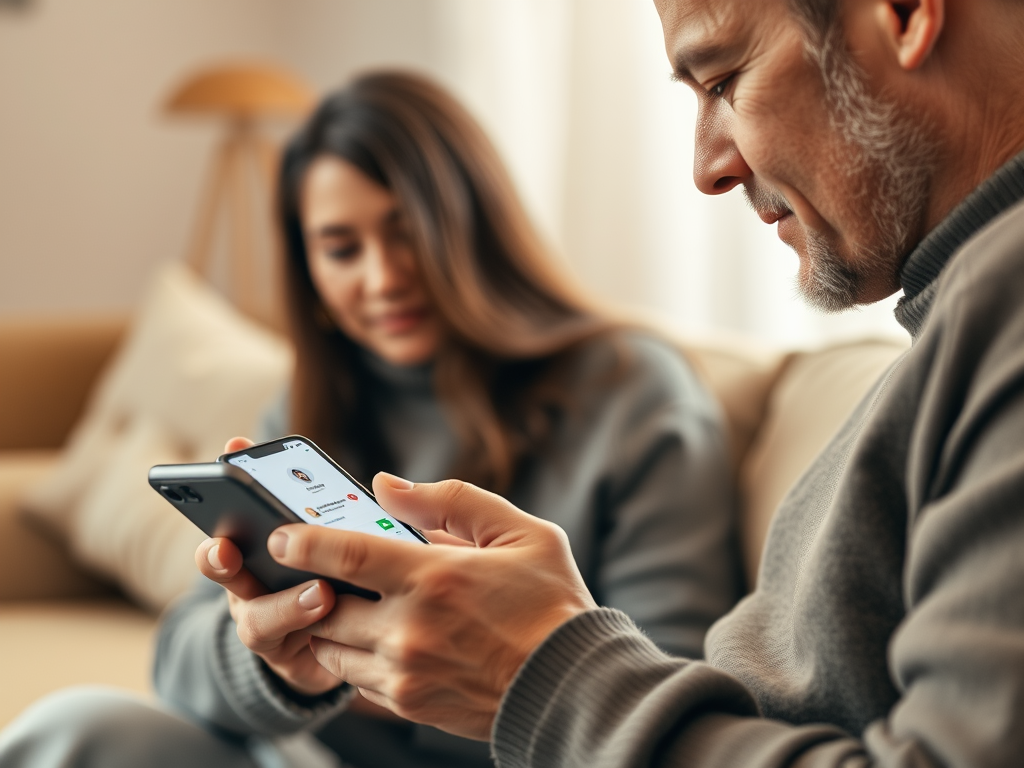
[719, 89]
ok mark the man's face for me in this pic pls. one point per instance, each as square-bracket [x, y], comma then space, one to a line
[844, 174]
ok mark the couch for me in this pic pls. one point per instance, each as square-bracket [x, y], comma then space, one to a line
[60, 625]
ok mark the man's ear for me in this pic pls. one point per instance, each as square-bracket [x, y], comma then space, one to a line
[913, 27]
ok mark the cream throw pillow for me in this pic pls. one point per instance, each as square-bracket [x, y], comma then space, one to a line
[191, 374]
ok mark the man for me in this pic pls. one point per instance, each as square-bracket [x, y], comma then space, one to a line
[883, 136]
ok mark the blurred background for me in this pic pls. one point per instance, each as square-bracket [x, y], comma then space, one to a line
[99, 186]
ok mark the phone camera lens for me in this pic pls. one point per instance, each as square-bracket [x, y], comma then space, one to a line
[190, 495]
[171, 494]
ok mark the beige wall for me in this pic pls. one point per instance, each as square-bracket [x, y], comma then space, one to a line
[96, 187]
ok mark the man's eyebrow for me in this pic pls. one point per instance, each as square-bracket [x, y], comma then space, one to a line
[697, 57]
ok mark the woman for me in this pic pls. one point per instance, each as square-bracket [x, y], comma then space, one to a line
[434, 339]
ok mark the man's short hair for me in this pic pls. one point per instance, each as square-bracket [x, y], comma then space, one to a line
[822, 16]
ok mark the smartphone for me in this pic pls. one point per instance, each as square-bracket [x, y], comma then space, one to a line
[245, 495]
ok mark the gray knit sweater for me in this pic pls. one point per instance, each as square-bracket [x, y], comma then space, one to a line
[636, 472]
[887, 627]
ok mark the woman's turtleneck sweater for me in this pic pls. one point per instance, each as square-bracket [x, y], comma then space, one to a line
[419, 437]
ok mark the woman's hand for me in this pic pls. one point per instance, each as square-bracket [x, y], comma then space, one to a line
[454, 623]
[273, 626]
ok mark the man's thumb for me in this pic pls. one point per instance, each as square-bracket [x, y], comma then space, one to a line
[461, 509]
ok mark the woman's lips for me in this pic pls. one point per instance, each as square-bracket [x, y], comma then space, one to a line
[399, 322]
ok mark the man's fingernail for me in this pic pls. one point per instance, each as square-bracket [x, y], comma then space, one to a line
[398, 483]
[311, 598]
[277, 544]
[213, 558]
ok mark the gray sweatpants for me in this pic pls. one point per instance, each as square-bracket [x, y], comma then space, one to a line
[105, 728]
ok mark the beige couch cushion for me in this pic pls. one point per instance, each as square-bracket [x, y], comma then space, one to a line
[48, 367]
[740, 374]
[50, 645]
[812, 397]
[191, 374]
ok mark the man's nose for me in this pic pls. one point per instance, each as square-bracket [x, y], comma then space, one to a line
[718, 165]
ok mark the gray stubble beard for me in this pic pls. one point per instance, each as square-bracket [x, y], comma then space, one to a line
[891, 161]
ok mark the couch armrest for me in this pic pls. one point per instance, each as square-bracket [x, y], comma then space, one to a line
[49, 367]
[33, 567]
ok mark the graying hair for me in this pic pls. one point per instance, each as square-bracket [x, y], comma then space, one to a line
[819, 16]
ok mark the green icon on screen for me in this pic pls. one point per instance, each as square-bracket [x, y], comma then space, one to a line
[386, 524]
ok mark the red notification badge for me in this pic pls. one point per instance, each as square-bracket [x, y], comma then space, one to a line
[353, 497]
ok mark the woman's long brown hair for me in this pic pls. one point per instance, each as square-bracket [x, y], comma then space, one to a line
[512, 318]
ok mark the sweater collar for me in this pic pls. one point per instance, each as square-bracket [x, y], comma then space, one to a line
[411, 379]
[920, 273]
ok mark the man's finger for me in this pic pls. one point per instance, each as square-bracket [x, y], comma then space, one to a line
[461, 509]
[237, 444]
[264, 622]
[355, 623]
[355, 666]
[443, 537]
[367, 561]
[219, 560]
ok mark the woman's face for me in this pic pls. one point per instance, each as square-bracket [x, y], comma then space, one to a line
[363, 266]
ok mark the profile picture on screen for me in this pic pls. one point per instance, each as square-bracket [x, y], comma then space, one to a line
[312, 512]
[301, 475]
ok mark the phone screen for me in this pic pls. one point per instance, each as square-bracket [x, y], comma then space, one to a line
[317, 492]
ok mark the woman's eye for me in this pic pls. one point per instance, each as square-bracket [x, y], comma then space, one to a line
[343, 253]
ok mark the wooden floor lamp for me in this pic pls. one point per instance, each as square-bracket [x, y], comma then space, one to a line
[246, 98]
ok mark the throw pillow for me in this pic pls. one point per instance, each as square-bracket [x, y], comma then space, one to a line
[191, 374]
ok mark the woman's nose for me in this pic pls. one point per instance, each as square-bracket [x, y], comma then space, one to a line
[718, 165]
[384, 274]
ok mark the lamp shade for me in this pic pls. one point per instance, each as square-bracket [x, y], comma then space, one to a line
[242, 90]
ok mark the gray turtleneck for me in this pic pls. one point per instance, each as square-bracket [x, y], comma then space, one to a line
[887, 628]
[635, 471]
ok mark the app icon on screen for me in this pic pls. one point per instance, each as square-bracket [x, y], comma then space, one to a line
[386, 524]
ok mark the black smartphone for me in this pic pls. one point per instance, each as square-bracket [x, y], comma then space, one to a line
[245, 495]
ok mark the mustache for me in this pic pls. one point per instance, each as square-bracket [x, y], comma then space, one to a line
[763, 198]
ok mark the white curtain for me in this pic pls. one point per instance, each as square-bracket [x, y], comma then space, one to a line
[576, 94]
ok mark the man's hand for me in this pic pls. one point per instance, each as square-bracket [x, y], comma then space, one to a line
[454, 623]
[273, 626]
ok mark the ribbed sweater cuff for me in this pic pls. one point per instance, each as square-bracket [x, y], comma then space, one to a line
[260, 700]
[538, 685]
